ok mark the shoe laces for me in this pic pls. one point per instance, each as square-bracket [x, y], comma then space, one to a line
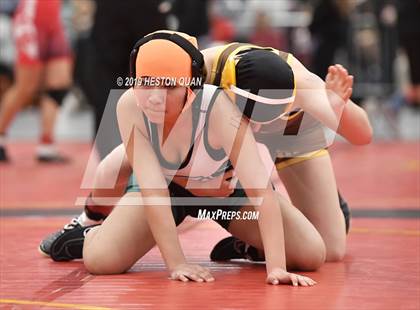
[73, 223]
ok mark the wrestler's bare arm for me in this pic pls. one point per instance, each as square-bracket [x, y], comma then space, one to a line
[337, 112]
[154, 191]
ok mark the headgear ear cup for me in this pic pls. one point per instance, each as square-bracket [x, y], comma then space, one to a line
[133, 56]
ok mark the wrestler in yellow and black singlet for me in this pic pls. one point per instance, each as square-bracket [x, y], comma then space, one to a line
[291, 136]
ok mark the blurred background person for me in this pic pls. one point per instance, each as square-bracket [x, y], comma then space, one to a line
[193, 19]
[409, 39]
[116, 28]
[329, 29]
[386, 15]
[7, 51]
[43, 69]
[222, 28]
[264, 34]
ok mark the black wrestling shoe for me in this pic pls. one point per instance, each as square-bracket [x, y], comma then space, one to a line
[66, 244]
[346, 211]
[45, 245]
[233, 248]
[3, 155]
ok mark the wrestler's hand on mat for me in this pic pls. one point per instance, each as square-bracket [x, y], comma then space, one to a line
[281, 276]
[340, 83]
[214, 187]
[187, 272]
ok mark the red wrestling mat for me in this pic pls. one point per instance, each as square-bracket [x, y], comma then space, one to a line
[380, 271]
[379, 176]
[27, 184]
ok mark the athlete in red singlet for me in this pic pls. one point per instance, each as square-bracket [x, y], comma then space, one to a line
[43, 68]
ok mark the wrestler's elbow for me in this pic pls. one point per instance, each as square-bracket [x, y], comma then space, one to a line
[364, 136]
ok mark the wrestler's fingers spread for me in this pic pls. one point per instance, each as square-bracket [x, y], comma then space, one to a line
[337, 68]
[340, 67]
[294, 280]
[181, 277]
[348, 93]
[330, 77]
[302, 281]
[311, 282]
[333, 70]
[206, 276]
[350, 80]
[343, 78]
[194, 276]
[342, 71]
[272, 280]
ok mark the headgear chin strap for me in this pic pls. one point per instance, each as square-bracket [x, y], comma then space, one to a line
[261, 99]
